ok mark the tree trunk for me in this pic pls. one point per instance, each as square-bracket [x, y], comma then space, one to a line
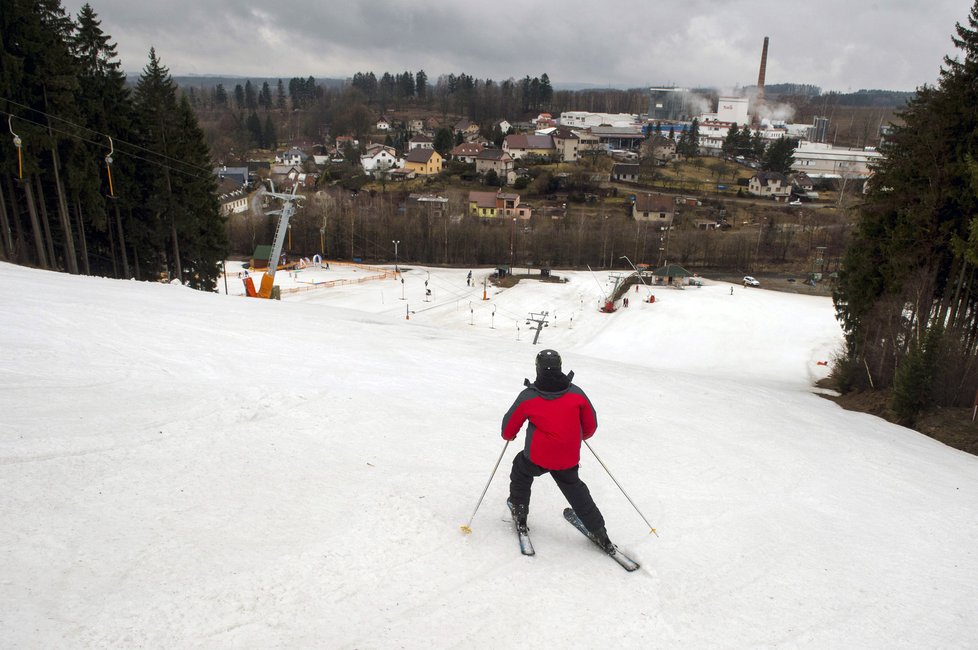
[70, 255]
[69, 244]
[82, 240]
[135, 261]
[122, 241]
[7, 250]
[45, 222]
[71, 258]
[20, 239]
[178, 269]
[113, 251]
[42, 259]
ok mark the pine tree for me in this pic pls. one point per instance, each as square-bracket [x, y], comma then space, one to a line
[105, 102]
[421, 85]
[201, 227]
[779, 156]
[280, 97]
[256, 137]
[156, 109]
[907, 270]
[269, 138]
[729, 146]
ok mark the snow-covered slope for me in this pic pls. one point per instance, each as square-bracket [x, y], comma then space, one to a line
[181, 469]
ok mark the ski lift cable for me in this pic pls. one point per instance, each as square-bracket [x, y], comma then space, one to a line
[96, 133]
[204, 171]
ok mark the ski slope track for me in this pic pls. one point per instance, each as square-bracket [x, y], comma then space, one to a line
[181, 469]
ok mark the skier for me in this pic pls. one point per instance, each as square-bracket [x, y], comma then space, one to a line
[560, 416]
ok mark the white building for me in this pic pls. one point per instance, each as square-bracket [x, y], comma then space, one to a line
[584, 119]
[379, 157]
[712, 134]
[732, 109]
[821, 160]
[293, 156]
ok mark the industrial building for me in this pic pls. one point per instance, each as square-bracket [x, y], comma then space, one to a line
[669, 104]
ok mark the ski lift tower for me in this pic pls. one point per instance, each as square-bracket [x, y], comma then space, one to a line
[288, 209]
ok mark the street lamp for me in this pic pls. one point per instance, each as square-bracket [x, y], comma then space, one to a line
[395, 242]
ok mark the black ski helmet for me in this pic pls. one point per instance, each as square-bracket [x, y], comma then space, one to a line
[548, 360]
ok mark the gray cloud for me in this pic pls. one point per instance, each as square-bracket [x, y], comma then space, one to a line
[836, 44]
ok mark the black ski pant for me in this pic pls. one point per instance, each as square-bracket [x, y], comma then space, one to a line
[570, 484]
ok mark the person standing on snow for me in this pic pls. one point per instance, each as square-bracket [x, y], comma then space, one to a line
[560, 417]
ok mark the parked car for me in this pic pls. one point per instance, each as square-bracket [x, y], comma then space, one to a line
[751, 282]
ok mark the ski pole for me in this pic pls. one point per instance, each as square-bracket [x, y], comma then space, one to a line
[651, 529]
[467, 527]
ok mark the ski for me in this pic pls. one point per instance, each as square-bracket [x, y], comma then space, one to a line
[626, 562]
[526, 546]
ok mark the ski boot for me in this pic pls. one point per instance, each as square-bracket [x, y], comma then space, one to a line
[520, 511]
[601, 537]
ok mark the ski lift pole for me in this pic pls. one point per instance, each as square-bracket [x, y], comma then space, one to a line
[651, 528]
[17, 143]
[467, 528]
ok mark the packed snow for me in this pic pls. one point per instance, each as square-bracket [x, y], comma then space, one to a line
[181, 469]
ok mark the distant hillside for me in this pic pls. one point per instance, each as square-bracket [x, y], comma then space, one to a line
[872, 98]
[229, 82]
[869, 98]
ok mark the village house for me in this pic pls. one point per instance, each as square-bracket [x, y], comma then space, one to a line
[495, 160]
[627, 172]
[587, 142]
[291, 157]
[566, 144]
[420, 142]
[279, 174]
[466, 152]
[802, 182]
[467, 128]
[343, 140]
[237, 175]
[496, 205]
[773, 185]
[654, 208]
[232, 197]
[425, 162]
[383, 124]
[378, 157]
[523, 145]
[660, 149]
[544, 120]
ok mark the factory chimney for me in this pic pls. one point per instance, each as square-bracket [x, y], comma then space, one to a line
[759, 100]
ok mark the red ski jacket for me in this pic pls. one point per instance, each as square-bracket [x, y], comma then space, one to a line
[559, 421]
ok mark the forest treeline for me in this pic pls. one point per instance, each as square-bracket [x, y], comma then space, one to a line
[99, 177]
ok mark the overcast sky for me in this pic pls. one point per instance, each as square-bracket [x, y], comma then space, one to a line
[835, 44]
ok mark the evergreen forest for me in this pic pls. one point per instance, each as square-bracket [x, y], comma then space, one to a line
[907, 296]
[99, 177]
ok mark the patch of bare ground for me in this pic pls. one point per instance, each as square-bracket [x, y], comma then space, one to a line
[951, 425]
